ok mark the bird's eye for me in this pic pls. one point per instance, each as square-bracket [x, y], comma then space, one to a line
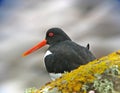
[51, 34]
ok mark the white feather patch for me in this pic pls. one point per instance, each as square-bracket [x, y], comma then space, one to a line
[47, 53]
[55, 75]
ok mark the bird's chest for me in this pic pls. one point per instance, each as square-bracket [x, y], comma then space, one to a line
[50, 65]
[54, 62]
[49, 60]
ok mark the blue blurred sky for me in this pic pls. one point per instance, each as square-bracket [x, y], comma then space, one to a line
[6, 8]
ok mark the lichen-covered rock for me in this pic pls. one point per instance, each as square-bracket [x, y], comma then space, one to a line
[99, 76]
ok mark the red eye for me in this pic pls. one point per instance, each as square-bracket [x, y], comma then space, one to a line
[51, 34]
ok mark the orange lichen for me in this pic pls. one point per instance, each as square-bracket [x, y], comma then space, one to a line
[73, 82]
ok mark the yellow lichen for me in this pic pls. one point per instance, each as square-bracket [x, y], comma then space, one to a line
[73, 82]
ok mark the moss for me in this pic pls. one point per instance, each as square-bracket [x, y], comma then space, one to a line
[103, 86]
[80, 80]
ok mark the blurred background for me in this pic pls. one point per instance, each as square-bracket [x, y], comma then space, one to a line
[23, 23]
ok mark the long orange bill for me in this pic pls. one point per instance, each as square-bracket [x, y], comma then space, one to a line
[36, 47]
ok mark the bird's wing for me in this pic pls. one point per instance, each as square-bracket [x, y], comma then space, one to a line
[84, 52]
[69, 56]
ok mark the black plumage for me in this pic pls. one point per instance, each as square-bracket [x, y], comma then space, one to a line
[66, 54]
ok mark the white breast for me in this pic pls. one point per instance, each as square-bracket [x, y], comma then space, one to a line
[55, 75]
[47, 53]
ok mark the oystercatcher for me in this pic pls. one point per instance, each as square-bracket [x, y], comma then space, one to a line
[63, 55]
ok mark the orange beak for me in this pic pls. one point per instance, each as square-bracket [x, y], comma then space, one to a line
[36, 47]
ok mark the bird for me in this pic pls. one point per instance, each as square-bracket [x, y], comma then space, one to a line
[63, 55]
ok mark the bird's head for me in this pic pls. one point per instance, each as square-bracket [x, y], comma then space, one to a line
[56, 35]
[53, 36]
